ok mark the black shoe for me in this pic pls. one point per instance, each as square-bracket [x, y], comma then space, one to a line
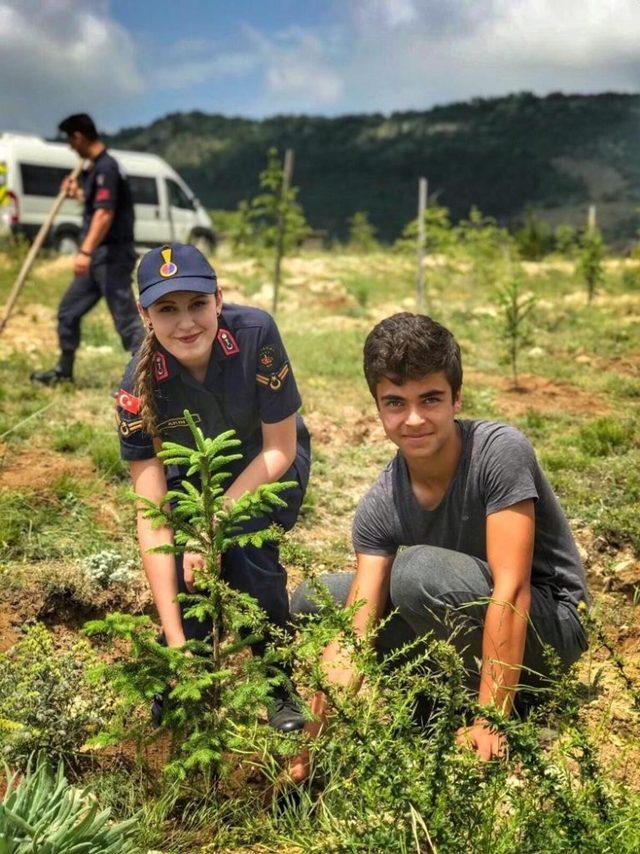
[284, 713]
[51, 377]
[157, 710]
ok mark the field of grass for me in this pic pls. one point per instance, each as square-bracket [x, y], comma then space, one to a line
[63, 499]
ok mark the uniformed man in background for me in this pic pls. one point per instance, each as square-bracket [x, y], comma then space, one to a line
[106, 258]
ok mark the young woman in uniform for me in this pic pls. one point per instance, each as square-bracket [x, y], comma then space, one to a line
[226, 364]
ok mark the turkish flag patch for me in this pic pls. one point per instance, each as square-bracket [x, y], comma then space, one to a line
[128, 402]
[103, 195]
[227, 342]
[160, 370]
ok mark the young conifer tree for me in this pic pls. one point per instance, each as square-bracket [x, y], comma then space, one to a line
[212, 694]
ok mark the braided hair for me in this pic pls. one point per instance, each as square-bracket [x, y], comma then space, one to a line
[145, 382]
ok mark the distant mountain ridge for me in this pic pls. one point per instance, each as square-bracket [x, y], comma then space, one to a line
[553, 155]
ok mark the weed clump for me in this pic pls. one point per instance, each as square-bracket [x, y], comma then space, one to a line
[47, 702]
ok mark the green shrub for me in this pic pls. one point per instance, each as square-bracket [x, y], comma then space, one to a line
[46, 700]
[41, 812]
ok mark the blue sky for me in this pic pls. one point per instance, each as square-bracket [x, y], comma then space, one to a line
[130, 61]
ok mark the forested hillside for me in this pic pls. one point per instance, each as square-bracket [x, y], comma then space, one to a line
[553, 155]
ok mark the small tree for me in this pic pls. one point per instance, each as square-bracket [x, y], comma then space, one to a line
[515, 324]
[566, 239]
[362, 234]
[535, 239]
[439, 236]
[214, 695]
[271, 207]
[590, 260]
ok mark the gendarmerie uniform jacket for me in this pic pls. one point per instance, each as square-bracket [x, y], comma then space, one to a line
[249, 380]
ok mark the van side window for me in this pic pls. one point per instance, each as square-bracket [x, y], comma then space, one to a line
[177, 197]
[143, 190]
[42, 180]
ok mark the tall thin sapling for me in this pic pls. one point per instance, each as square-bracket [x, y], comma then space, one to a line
[213, 694]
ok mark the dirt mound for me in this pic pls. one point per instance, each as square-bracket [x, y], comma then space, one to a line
[34, 468]
[546, 396]
[354, 427]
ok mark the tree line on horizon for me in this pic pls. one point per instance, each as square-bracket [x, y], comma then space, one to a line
[505, 155]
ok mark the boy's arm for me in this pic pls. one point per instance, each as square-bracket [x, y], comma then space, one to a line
[510, 539]
[371, 587]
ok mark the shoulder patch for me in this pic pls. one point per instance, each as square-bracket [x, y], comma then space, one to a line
[126, 428]
[266, 357]
[128, 401]
[274, 381]
[227, 342]
[160, 370]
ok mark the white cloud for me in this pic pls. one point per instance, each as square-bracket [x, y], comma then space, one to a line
[62, 56]
[300, 69]
[456, 49]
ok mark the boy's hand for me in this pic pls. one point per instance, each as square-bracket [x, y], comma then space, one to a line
[192, 562]
[487, 743]
[298, 769]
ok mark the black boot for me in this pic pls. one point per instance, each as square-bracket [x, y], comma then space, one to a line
[284, 711]
[63, 371]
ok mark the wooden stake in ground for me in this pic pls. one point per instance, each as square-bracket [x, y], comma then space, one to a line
[422, 206]
[591, 218]
[287, 172]
[35, 248]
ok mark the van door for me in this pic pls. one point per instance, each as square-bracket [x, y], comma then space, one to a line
[150, 227]
[182, 211]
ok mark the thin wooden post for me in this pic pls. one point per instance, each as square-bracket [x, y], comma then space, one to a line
[422, 206]
[34, 249]
[287, 173]
[591, 218]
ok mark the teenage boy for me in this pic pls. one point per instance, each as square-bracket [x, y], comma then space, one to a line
[489, 550]
[106, 258]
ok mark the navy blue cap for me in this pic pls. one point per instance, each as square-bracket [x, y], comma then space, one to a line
[174, 267]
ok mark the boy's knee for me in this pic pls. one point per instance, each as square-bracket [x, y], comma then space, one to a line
[302, 602]
[304, 599]
[416, 579]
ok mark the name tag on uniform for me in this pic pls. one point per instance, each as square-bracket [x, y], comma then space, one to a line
[174, 423]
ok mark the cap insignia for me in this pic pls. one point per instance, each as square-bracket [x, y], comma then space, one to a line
[168, 268]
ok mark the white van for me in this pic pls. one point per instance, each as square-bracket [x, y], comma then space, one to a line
[31, 170]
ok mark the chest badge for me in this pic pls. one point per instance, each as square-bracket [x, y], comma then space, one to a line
[227, 342]
[160, 370]
[168, 268]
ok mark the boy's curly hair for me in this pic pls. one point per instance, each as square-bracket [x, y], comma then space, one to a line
[408, 346]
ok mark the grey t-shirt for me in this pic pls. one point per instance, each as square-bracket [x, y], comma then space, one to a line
[497, 468]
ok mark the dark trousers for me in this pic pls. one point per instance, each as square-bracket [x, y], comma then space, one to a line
[109, 278]
[258, 571]
[446, 592]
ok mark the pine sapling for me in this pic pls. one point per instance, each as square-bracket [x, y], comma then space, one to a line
[212, 694]
[590, 260]
[515, 323]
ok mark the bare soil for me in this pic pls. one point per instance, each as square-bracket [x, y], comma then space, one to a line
[34, 468]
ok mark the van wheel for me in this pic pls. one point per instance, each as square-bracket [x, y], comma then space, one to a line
[203, 242]
[67, 244]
